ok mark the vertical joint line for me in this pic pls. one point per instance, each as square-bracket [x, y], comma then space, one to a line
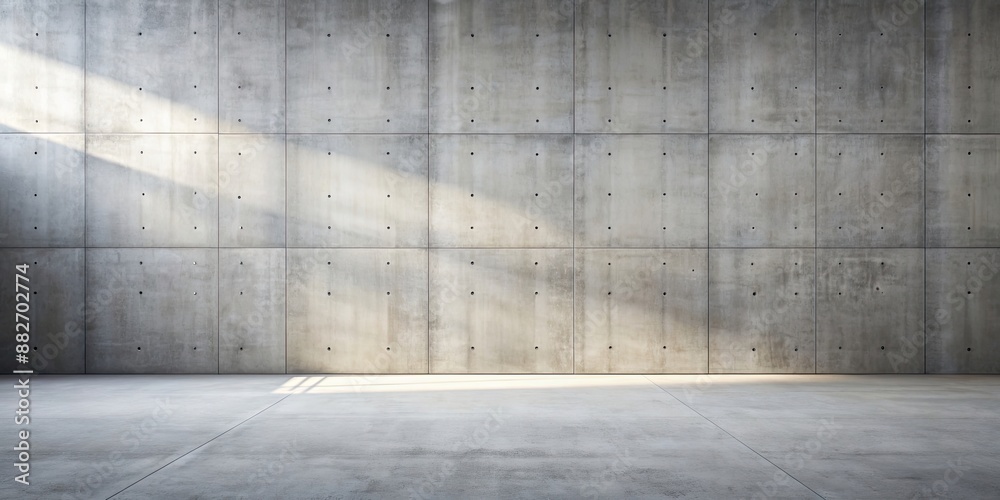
[573, 168]
[428, 186]
[285, 144]
[218, 187]
[708, 187]
[815, 186]
[924, 315]
[85, 162]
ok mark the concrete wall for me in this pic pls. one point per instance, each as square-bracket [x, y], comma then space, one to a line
[543, 186]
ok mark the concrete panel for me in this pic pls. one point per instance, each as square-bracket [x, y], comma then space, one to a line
[641, 311]
[870, 66]
[357, 190]
[650, 75]
[41, 45]
[963, 191]
[761, 311]
[870, 191]
[962, 318]
[641, 191]
[357, 311]
[55, 297]
[962, 43]
[252, 190]
[762, 65]
[152, 66]
[357, 67]
[252, 66]
[154, 310]
[501, 191]
[869, 311]
[152, 190]
[762, 190]
[501, 311]
[501, 67]
[41, 197]
[252, 310]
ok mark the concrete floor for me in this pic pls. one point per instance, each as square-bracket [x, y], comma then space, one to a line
[464, 436]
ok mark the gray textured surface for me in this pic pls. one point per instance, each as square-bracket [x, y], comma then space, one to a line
[962, 42]
[762, 66]
[252, 191]
[152, 66]
[641, 311]
[154, 310]
[42, 197]
[504, 436]
[501, 191]
[357, 311]
[870, 191]
[251, 66]
[501, 67]
[640, 191]
[56, 308]
[869, 310]
[252, 310]
[869, 66]
[499, 310]
[356, 67]
[963, 191]
[42, 46]
[962, 318]
[740, 130]
[646, 77]
[357, 190]
[762, 191]
[152, 190]
[761, 311]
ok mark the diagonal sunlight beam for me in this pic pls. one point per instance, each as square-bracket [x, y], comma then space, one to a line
[348, 384]
[17, 112]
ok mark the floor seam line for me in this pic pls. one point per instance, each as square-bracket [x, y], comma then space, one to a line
[196, 448]
[738, 440]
